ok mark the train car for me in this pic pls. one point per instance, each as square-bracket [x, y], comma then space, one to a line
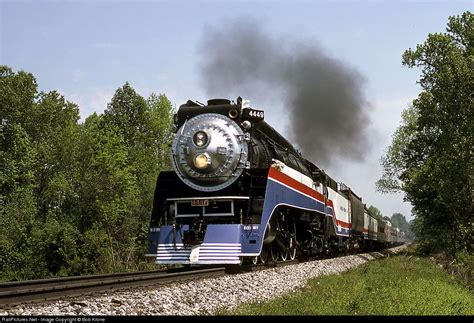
[240, 192]
[381, 235]
[370, 230]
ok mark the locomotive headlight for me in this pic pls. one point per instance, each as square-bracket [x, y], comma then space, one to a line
[201, 161]
[200, 138]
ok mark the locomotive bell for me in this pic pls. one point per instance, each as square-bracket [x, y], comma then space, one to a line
[209, 152]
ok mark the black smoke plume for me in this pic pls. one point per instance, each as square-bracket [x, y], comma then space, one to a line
[323, 97]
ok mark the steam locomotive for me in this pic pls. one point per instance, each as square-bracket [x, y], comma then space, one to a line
[241, 193]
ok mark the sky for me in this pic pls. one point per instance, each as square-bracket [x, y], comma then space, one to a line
[88, 49]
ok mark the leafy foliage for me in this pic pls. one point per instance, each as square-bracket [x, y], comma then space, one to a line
[76, 198]
[398, 220]
[431, 155]
[375, 212]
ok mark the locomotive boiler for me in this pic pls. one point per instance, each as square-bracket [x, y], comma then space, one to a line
[240, 192]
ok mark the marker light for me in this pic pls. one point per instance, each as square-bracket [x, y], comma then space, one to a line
[200, 138]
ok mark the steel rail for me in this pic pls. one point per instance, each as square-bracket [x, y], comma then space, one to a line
[28, 291]
[19, 292]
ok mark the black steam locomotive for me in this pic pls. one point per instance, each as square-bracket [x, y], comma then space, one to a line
[241, 192]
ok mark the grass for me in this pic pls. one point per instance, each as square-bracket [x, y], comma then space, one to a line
[399, 285]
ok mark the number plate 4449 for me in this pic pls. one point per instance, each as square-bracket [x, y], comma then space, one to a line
[199, 202]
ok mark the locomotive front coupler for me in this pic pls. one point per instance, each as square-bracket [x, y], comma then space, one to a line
[195, 234]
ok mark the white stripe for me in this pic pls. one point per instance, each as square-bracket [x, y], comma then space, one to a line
[212, 198]
[202, 249]
[200, 254]
[214, 255]
[294, 189]
[208, 262]
[203, 244]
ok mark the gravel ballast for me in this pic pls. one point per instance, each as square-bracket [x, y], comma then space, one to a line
[201, 297]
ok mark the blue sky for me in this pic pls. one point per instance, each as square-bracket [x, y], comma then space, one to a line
[87, 49]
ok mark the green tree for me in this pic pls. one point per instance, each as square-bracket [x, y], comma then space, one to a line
[398, 220]
[432, 151]
[145, 127]
[109, 196]
[55, 134]
[17, 95]
[411, 233]
[375, 212]
[127, 111]
[18, 207]
[76, 198]
[17, 203]
[160, 116]
[18, 91]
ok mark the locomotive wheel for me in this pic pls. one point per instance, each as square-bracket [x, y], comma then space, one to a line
[292, 249]
[263, 256]
[293, 254]
[274, 253]
[284, 255]
[255, 260]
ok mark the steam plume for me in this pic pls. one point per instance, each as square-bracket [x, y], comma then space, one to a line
[323, 97]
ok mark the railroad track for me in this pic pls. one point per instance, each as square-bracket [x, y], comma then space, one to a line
[29, 291]
[19, 292]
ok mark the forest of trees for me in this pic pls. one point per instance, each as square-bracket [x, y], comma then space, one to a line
[76, 197]
[431, 157]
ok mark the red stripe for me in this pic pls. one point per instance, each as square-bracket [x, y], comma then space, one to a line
[291, 182]
[343, 224]
[330, 204]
